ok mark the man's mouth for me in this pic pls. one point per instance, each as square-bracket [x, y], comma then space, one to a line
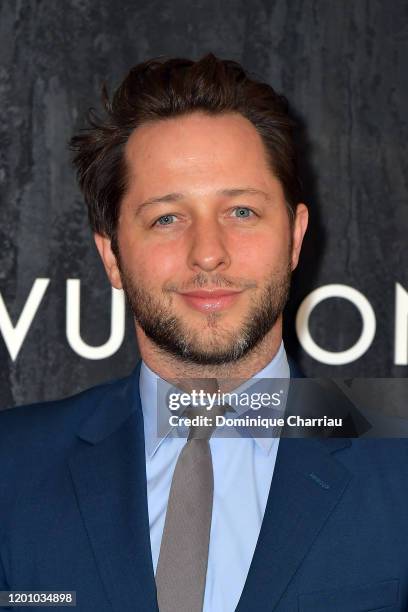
[207, 300]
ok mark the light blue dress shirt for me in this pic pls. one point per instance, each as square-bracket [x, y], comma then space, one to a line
[243, 470]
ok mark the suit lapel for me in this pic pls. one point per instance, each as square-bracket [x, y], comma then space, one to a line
[108, 471]
[306, 486]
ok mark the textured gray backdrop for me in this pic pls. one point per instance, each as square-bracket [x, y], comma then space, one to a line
[343, 66]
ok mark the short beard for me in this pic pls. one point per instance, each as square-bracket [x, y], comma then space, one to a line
[168, 331]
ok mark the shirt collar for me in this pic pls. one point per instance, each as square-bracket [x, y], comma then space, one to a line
[278, 367]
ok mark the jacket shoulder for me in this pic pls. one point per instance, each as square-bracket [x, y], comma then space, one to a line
[26, 423]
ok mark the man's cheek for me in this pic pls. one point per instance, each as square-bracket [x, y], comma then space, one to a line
[253, 262]
[149, 278]
[164, 264]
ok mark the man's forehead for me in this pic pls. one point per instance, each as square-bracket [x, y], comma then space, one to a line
[184, 155]
[196, 136]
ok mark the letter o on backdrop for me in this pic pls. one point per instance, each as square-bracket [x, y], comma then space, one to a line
[367, 333]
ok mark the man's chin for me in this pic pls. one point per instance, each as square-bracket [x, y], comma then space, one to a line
[202, 356]
[210, 348]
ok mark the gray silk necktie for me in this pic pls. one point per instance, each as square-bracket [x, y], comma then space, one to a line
[182, 566]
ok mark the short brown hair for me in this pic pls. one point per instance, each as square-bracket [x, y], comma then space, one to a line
[162, 88]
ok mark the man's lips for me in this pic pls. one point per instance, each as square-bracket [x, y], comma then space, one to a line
[205, 301]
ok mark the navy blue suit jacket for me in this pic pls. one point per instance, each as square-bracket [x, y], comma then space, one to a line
[73, 513]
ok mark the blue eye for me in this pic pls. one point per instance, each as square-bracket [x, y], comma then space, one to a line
[242, 212]
[165, 220]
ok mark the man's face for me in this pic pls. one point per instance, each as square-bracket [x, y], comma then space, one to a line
[206, 245]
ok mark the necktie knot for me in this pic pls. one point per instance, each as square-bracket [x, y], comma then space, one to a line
[204, 420]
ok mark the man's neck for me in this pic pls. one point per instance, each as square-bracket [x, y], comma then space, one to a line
[170, 367]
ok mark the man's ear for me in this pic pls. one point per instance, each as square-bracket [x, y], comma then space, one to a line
[299, 230]
[104, 246]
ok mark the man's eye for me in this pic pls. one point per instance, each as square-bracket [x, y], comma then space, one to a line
[165, 220]
[242, 212]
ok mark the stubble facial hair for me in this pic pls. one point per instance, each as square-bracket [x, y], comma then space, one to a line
[169, 332]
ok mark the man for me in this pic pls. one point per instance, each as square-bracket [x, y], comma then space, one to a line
[193, 197]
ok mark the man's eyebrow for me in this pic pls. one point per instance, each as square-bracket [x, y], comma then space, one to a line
[238, 191]
[168, 197]
[176, 197]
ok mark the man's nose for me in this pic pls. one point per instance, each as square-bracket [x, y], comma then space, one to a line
[208, 249]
